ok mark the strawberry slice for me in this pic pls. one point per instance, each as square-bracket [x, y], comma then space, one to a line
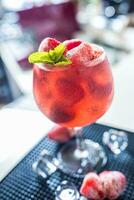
[60, 114]
[92, 187]
[114, 183]
[70, 44]
[81, 55]
[109, 184]
[60, 134]
[48, 44]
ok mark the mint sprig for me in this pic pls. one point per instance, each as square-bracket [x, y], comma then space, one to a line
[40, 57]
[53, 57]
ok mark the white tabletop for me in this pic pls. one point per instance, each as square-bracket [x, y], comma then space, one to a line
[21, 129]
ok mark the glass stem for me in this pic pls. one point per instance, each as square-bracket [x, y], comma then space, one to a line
[79, 139]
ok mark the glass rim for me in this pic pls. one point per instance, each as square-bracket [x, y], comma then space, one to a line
[91, 63]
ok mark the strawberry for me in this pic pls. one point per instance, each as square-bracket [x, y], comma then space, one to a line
[70, 91]
[70, 44]
[60, 134]
[114, 183]
[48, 44]
[108, 184]
[60, 114]
[92, 187]
[81, 55]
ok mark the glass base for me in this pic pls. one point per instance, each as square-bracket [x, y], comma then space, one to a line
[78, 163]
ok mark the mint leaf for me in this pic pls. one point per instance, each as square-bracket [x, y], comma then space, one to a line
[63, 61]
[40, 57]
[59, 50]
[53, 57]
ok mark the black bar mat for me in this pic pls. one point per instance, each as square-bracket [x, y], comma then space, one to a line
[23, 184]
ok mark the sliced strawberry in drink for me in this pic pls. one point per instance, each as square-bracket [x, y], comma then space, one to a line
[114, 183]
[48, 44]
[60, 134]
[70, 44]
[59, 114]
[92, 187]
[69, 90]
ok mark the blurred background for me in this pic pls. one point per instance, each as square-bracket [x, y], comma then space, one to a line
[24, 23]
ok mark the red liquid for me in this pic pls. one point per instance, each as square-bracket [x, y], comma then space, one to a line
[75, 96]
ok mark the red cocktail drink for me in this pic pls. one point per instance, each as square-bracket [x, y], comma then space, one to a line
[76, 94]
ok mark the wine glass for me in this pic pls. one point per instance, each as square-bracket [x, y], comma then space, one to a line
[73, 97]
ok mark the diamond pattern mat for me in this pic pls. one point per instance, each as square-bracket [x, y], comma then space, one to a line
[23, 184]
